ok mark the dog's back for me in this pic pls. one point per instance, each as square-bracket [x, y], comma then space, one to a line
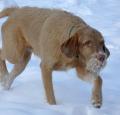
[35, 28]
[21, 30]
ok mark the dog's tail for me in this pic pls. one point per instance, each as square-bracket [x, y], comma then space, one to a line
[7, 11]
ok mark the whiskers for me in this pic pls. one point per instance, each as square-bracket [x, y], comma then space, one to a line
[94, 65]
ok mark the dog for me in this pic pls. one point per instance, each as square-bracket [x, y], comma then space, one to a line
[62, 41]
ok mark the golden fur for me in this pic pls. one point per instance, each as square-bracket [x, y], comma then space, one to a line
[61, 39]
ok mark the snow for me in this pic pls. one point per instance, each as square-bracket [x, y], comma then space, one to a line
[26, 97]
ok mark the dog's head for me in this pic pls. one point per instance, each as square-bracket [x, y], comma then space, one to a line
[88, 47]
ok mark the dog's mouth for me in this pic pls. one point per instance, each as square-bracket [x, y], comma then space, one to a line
[95, 65]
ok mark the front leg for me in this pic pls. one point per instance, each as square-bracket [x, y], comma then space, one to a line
[97, 85]
[47, 82]
[97, 92]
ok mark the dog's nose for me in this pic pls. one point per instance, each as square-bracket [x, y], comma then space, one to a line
[101, 57]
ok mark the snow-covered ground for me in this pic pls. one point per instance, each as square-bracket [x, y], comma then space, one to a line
[26, 97]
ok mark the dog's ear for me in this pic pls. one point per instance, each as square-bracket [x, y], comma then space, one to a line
[71, 47]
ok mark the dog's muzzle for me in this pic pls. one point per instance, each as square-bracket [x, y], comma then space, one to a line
[96, 62]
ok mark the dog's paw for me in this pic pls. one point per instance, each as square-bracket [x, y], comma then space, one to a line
[97, 100]
[1, 87]
[5, 83]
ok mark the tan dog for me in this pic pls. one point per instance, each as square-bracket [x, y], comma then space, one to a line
[60, 39]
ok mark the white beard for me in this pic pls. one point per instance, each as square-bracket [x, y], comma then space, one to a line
[94, 65]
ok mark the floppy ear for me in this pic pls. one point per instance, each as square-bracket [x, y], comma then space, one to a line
[71, 47]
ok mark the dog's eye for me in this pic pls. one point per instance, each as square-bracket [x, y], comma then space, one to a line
[87, 43]
[102, 43]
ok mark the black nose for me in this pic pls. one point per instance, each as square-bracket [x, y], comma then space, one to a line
[105, 49]
[101, 57]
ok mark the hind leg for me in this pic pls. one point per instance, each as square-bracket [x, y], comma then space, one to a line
[17, 69]
[3, 70]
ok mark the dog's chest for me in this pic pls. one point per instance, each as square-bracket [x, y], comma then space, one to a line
[64, 65]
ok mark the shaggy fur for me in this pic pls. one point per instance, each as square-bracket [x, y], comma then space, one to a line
[61, 39]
